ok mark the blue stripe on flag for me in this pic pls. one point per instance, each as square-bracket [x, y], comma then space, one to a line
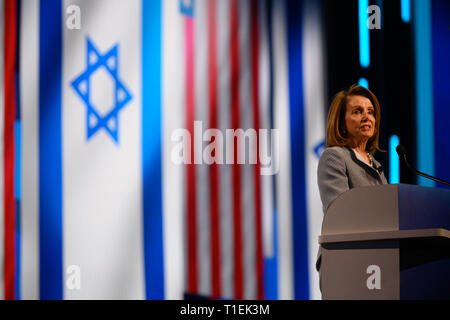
[17, 156]
[271, 266]
[18, 252]
[151, 149]
[17, 181]
[271, 263]
[50, 167]
[298, 179]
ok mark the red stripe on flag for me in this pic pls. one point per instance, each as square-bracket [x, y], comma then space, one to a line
[192, 283]
[238, 267]
[255, 98]
[214, 173]
[10, 115]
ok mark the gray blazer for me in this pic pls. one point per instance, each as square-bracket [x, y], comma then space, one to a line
[340, 170]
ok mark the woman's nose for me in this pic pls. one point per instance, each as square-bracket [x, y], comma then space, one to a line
[365, 114]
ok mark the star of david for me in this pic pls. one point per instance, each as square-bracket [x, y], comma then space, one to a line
[94, 119]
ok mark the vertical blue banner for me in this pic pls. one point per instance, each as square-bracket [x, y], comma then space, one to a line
[364, 39]
[394, 161]
[50, 162]
[424, 90]
[151, 149]
[298, 178]
[441, 78]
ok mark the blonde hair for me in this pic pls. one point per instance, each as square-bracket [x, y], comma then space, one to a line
[336, 129]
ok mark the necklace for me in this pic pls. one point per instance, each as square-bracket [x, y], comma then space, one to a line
[361, 157]
[370, 159]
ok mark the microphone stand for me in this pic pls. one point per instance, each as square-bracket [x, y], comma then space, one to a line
[423, 174]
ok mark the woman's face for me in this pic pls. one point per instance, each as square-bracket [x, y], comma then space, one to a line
[359, 118]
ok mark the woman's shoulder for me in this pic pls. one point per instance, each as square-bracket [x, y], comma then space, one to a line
[334, 156]
[335, 151]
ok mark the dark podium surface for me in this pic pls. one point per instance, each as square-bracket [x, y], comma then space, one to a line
[387, 242]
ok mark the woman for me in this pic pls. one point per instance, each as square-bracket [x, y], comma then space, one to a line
[352, 138]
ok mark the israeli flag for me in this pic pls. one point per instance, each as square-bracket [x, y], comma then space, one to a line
[92, 203]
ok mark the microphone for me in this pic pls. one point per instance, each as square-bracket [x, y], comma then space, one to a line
[402, 154]
[401, 151]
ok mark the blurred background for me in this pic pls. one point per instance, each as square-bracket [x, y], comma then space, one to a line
[112, 187]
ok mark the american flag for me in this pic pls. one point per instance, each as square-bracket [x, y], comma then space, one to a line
[224, 252]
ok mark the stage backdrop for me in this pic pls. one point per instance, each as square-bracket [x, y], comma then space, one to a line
[109, 104]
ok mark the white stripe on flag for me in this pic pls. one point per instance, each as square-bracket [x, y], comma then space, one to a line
[29, 97]
[102, 180]
[224, 121]
[226, 209]
[202, 170]
[2, 151]
[283, 179]
[248, 188]
[264, 111]
[314, 116]
[173, 102]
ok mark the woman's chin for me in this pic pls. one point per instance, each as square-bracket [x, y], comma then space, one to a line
[367, 135]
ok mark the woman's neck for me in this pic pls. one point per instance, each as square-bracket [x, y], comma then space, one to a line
[359, 146]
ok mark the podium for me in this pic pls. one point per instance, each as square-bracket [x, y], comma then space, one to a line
[387, 242]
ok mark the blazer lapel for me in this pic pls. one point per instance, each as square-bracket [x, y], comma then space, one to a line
[374, 172]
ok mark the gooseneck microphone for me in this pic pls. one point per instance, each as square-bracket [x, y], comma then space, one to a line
[403, 157]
